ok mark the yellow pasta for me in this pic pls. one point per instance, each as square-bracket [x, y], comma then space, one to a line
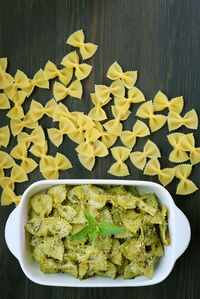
[62, 111]
[17, 125]
[161, 102]
[17, 111]
[6, 161]
[51, 71]
[20, 81]
[37, 136]
[77, 39]
[4, 101]
[128, 78]
[8, 197]
[86, 148]
[97, 113]
[103, 92]
[18, 175]
[187, 143]
[156, 121]
[150, 150]
[165, 176]
[4, 136]
[140, 129]
[189, 120]
[37, 110]
[178, 154]
[38, 80]
[5, 78]
[120, 154]
[134, 96]
[106, 137]
[71, 61]
[185, 186]
[74, 90]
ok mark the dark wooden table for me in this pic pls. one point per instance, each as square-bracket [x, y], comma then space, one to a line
[160, 39]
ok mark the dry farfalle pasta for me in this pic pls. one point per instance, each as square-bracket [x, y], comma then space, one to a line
[103, 92]
[106, 137]
[51, 71]
[185, 186]
[38, 80]
[189, 120]
[6, 161]
[18, 175]
[86, 148]
[4, 101]
[37, 110]
[120, 154]
[20, 81]
[62, 111]
[177, 155]
[8, 197]
[74, 90]
[17, 125]
[161, 102]
[4, 136]
[5, 78]
[36, 136]
[17, 111]
[187, 143]
[97, 113]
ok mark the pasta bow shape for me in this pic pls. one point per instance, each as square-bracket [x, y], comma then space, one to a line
[71, 61]
[150, 150]
[8, 197]
[100, 150]
[156, 121]
[17, 125]
[161, 102]
[37, 110]
[103, 92]
[5, 78]
[77, 39]
[114, 126]
[40, 151]
[120, 154]
[140, 129]
[6, 161]
[175, 121]
[38, 80]
[165, 176]
[97, 113]
[106, 137]
[18, 175]
[134, 96]
[185, 186]
[177, 155]
[86, 148]
[128, 78]
[17, 111]
[4, 101]
[37, 136]
[4, 136]
[20, 81]
[74, 90]
[51, 71]
[62, 111]
[187, 143]
[19, 152]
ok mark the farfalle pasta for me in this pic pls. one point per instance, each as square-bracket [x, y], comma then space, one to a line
[20, 81]
[189, 120]
[6, 161]
[17, 125]
[97, 113]
[156, 121]
[103, 92]
[77, 39]
[106, 137]
[62, 111]
[4, 136]
[140, 129]
[18, 175]
[51, 71]
[17, 111]
[187, 143]
[185, 186]
[86, 148]
[161, 102]
[74, 90]
[4, 101]
[36, 136]
[37, 110]
[120, 154]
[5, 78]
[39, 81]
[8, 197]
[139, 159]
[178, 154]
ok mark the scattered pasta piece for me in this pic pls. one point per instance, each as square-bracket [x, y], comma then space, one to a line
[4, 136]
[4, 101]
[150, 150]
[71, 61]
[86, 148]
[156, 121]
[62, 111]
[74, 90]
[177, 155]
[128, 78]
[77, 39]
[5, 78]
[20, 81]
[165, 176]
[17, 111]
[140, 129]
[17, 125]
[39, 81]
[51, 71]
[161, 102]
[103, 92]
[106, 137]
[134, 96]
[8, 197]
[6, 161]
[97, 113]
[18, 175]
[37, 136]
[37, 110]
[185, 186]
[175, 121]
[187, 143]
[120, 154]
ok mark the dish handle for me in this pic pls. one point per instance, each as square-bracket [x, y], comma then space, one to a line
[183, 233]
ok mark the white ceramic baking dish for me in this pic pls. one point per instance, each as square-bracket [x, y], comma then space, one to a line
[16, 240]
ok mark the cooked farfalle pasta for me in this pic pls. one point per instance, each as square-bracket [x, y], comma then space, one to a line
[106, 137]
[6, 161]
[4, 136]
[51, 71]
[20, 81]
[114, 126]
[4, 101]
[74, 90]
[156, 121]
[185, 186]
[140, 129]
[189, 120]
[71, 61]
[17, 111]
[187, 143]
[8, 197]
[77, 39]
[39, 81]
[5, 78]
[177, 155]
[37, 110]
[134, 96]
[62, 111]
[97, 113]
[150, 150]
[161, 102]
[120, 154]
[37, 136]
[165, 175]
[18, 175]
[103, 92]
[17, 125]
[128, 78]
[86, 148]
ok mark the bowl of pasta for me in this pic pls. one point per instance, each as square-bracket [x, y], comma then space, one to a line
[97, 233]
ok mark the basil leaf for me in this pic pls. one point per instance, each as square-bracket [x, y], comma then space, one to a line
[82, 234]
[107, 229]
[92, 235]
[91, 220]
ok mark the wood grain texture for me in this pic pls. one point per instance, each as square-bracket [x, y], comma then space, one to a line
[160, 39]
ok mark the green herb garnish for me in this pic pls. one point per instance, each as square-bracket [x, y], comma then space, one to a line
[93, 228]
